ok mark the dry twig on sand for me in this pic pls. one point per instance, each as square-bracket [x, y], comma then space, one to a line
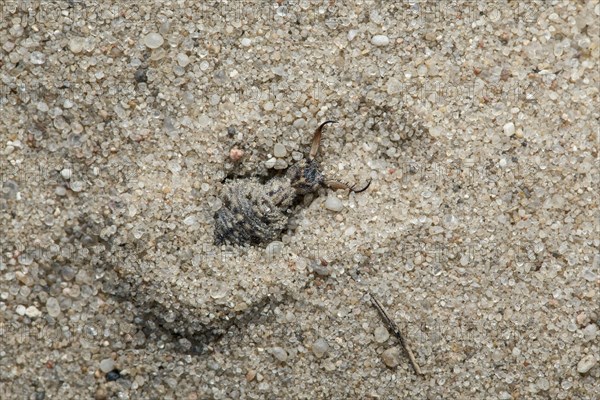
[391, 326]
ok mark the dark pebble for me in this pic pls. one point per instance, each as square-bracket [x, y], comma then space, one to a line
[113, 375]
[140, 75]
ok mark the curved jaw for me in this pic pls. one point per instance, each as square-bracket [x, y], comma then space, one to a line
[337, 185]
[314, 148]
[331, 183]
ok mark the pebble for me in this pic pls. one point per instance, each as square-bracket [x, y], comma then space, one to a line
[589, 275]
[236, 154]
[590, 332]
[183, 60]
[279, 150]
[280, 164]
[100, 394]
[274, 249]
[153, 40]
[219, 290]
[320, 347]
[279, 353]
[37, 58]
[333, 204]
[250, 375]
[381, 334]
[380, 40]
[53, 307]
[246, 42]
[582, 319]
[586, 363]
[107, 365]
[20, 310]
[299, 123]
[140, 75]
[113, 375]
[8, 46]
[32, 312]
[391, 357]
[77, 186]
[509, 129]
[320, 269]
[543, 384]
[270, 163]
[43, 107]
[66, 173]
[76, 45]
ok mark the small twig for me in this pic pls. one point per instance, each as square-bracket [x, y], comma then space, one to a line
[391, 326]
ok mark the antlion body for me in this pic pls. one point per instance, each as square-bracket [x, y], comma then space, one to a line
[254, 213]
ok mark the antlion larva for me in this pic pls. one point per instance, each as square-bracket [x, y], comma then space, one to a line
[255, 213]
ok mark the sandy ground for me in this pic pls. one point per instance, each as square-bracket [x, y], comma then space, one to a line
[478, 125]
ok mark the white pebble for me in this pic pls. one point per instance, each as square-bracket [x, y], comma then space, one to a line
[77, 186]
[299, 123]
[274, 249]
[279, 353]
[586, 363]
[352, 34]
[107, 365]
[8, 46]
[394, 86]
[21, 310]
[509, 129]
[270, 163]
[436, 131]
[42, 107]
[153, 40]
[320, 347]
[334, 204]
[66, 173]
[381, 334]
[189, 220]
[380, 40]
[280, 164]
[37, 58]
[32, 312]
[76, 45]
[53, 307]
[543, 384]
[183, 60]
[246, 42]
[279, 150]
[219, 290]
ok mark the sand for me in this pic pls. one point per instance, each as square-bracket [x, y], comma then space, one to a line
[477, 124]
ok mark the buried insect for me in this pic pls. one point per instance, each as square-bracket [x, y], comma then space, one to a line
[255, 213]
